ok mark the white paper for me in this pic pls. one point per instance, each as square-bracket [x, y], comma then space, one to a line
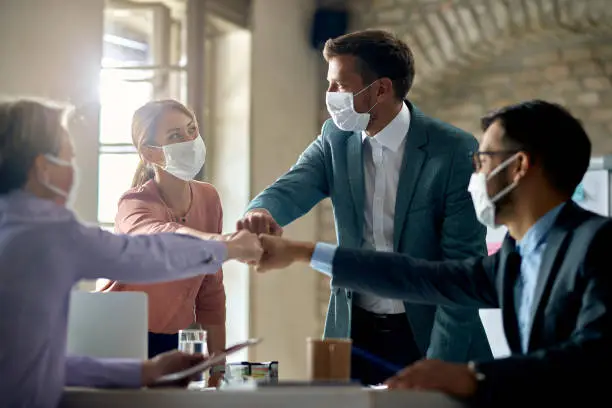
[495, 235]
[494, 328]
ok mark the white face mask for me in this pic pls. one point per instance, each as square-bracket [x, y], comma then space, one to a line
[483, 204]
[69, 195]
[341, 107]
[185, 159]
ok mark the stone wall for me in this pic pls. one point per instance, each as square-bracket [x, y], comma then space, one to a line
[476, 55]
[577, 76]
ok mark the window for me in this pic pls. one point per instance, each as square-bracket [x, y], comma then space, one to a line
[137, 67]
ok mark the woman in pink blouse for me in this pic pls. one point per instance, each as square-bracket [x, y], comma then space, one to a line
[165, 198]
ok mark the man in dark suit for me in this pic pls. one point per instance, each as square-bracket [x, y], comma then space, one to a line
[551, 277]
[397, 179]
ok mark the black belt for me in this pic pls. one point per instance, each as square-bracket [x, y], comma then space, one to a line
[379, 322]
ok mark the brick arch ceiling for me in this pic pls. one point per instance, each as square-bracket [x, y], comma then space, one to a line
[450, 36]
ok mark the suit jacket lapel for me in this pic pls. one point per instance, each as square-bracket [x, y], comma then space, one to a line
[356, 178]
[510, 268]
[412, 164]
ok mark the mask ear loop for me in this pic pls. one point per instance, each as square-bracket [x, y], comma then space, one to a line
[499, 169]
[504, 191]
[45, 178]
[371, 83]
[149, 165]
[373, 106]
[353, 101]
[502, 166]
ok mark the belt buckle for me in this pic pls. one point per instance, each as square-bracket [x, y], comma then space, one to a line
[381, 323]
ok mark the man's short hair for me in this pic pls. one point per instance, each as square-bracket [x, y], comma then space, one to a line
[379, 54]
[550, 135]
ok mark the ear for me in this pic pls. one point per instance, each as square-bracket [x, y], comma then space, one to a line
[523, 164]
[385, 89]
[40, 167]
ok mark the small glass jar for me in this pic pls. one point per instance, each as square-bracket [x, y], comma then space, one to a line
[193, 341]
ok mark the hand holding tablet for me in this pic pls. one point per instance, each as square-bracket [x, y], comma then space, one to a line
[205, 365]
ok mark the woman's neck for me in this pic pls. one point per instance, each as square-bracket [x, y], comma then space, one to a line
[175, 192]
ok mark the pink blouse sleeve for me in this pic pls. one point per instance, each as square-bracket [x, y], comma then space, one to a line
[139, 214]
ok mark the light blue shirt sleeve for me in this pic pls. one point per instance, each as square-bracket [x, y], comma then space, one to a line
[323, 258]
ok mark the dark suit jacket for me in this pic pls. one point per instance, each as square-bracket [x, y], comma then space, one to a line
[570, 343]
[434, 219]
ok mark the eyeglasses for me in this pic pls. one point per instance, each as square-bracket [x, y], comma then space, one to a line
[477, 156]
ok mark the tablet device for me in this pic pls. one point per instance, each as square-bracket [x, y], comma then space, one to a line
[205, 365]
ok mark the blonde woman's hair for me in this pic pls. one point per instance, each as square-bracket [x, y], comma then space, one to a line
[28, 128]
[144, 127]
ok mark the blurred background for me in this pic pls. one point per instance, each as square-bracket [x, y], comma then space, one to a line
[252, 71]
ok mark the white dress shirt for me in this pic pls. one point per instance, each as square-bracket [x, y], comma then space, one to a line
[382, 160]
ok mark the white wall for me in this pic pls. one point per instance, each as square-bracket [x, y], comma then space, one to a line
[53, 49]
[285, 102]
[229, 145]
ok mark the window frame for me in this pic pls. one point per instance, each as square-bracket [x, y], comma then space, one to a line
[168, 58]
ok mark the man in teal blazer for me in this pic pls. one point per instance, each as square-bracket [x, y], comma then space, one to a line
[398, 182]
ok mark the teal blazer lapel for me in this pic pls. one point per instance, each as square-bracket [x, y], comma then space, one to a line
[356, 178]
[412, 164]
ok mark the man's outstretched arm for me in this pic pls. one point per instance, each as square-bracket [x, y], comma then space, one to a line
[467, 283]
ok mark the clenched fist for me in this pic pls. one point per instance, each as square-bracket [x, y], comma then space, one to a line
[243, 246]
[280, 253]
[259, 221]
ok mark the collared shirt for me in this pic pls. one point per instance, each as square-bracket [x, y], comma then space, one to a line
[382, 161]
[44, 251]
[531, 248]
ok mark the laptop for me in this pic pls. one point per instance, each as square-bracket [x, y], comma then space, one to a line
[113, 324]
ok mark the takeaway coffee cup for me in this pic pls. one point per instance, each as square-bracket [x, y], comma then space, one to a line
[329, 359]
